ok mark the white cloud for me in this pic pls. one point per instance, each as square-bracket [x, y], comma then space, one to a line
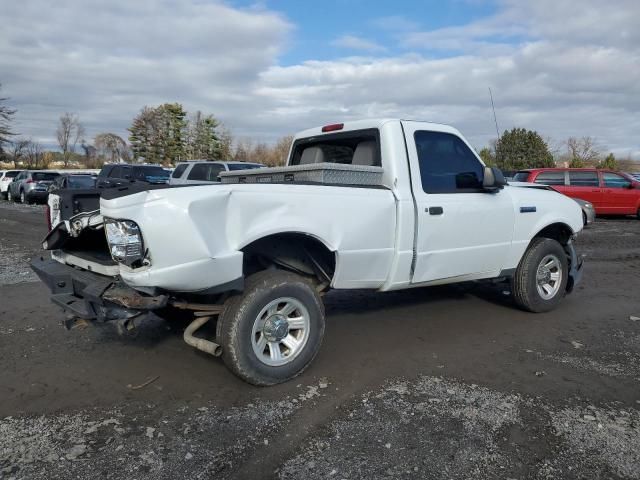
[105, 60]
[562, 69]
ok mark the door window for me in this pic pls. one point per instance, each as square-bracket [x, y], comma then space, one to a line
[583, 179]
[205, 172]
[550, 178]
[125, 172]
[177, 173]
[106, 171]
[116, 172]
[447, 165]
[613, 180]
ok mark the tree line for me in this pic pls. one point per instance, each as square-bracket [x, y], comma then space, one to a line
[167, 134]
[519, 149]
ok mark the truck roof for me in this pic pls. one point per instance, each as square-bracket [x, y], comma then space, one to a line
[369, 123]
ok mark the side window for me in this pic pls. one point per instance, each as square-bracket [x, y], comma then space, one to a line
[115, 172]
[205, 172]
[583, 179]
[613, 180]
[447, 165]
[550, 178]
[177, 173]
[125, 172]
[138, 173]
[106, 171]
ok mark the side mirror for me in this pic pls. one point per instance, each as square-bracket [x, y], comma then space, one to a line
[493, 179]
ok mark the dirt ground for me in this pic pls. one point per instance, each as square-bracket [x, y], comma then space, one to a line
[427, 383]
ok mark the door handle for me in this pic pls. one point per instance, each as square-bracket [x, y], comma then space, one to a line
[434, 210]
[595, 190]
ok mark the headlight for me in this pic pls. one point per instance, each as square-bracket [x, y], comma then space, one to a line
[125, 241]
[588, 205]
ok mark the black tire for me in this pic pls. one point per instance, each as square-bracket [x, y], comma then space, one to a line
[23, 198]
[236, 322]
[584, 219]
[525, 281]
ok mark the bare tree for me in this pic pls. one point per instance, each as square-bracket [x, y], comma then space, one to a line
[6, 115]
[111, 147]
[17, 150]
[583, 151]
[33, 155]
[69, 132]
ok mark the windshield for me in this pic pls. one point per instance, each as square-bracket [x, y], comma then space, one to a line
[244, 166]
[81, 181]
[46, 176]
[12, 174]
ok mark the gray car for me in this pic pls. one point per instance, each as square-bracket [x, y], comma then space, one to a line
[588, 212]
[31, 186]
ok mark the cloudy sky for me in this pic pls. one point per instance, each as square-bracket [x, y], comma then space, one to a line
[272, 67]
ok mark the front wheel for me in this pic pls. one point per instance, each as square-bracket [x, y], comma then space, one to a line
[272, 331]
[541, 277]
[23, 197]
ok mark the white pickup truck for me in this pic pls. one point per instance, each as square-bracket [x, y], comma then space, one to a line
[394, 204]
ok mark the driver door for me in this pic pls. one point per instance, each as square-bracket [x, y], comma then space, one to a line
[462, 230]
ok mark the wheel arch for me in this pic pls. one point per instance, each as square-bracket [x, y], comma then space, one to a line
[559, 231]
[298, 252]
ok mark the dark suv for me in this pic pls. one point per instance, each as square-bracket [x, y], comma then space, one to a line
[116, 175]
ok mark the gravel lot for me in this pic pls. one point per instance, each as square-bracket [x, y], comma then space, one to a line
[427, 383]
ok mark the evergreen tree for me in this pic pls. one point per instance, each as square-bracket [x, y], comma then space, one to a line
[609, 163]
[521, 148]
[487, 156]
[203, 141]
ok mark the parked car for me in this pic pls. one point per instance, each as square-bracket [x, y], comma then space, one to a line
[206, 171]
[588, 212]
[119, 174]
[610, 193]
[373, 204]
[31, 186]
[73, 180]
[6, 177]
[635, 175]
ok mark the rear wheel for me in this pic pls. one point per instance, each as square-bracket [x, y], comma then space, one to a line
[273, 330]
[541, 277]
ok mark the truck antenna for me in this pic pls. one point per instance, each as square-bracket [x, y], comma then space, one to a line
[495, 119]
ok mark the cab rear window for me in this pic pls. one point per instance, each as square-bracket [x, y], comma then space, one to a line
[358, 147]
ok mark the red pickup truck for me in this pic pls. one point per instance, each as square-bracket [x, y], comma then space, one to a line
[611, 193]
